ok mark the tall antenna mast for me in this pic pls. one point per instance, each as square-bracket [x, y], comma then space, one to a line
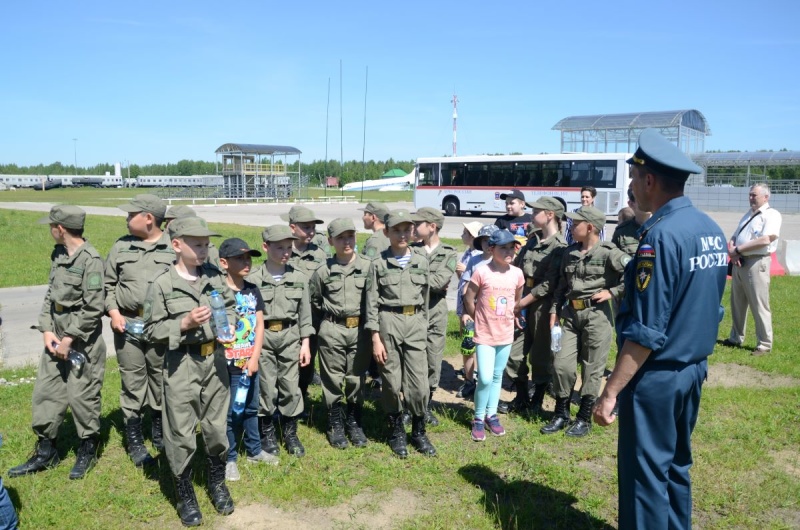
[454, 101]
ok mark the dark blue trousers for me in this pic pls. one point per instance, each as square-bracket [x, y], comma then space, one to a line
[657, 414]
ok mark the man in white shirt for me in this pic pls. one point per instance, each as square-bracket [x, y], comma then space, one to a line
[750, 249]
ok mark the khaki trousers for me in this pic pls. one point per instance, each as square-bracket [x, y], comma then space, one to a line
[750, 289]
[140, 369]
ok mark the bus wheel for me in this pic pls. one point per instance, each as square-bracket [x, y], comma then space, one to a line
[450, 207]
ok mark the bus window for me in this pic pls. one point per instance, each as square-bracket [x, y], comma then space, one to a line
[582, 174]
[556, 173]
[501, 175]
[427, 175]
[477, 175]
[605, 173]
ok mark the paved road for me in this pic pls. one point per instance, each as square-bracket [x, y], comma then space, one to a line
[20, 305]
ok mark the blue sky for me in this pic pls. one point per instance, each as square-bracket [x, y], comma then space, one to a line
[162, 81]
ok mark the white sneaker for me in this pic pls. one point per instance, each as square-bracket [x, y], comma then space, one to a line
[264, 458]
[232, 472]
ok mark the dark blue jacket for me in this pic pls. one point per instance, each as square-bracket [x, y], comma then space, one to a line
[674, 285]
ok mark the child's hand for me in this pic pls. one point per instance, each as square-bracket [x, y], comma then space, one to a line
[305, 355]
[460, 268]
[252, 366]
[603, 296]
[49, 340]
[465, 318]
[553, 320]
[118, 322]
[196, 317]
[378, 350]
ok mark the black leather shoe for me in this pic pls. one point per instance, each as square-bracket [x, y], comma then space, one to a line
[85, 459]
[419, 438]
[157, 430]
[353, 425]
[220, 496]
[335, 433]
[556, 424]
[44, 457]
[578, 428]
[136, 449]
[730, 344]
[269, 440]
[290, 439]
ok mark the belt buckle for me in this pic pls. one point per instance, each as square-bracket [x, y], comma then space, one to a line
[579, 304]
[59, 308]
[529, 282]
[275, 325]
[207, 348]
[351, 322]
[409, 310]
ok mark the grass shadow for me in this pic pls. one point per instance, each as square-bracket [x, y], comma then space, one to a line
[525, 504]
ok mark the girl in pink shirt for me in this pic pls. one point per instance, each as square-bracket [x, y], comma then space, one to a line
[492, 293]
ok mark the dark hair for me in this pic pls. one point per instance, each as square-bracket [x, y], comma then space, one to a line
[74, 232]
[590, 189]
[630, 195]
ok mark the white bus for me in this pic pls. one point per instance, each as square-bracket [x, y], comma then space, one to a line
[474, 183]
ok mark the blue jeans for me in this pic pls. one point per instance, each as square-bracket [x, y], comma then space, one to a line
[8, 516]
[490, 362]
[247, 421]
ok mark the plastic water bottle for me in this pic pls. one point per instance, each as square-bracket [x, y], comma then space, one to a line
[523, 317]
[76, 359]
[468, 342]
[241, 393]
[134, 327]
[555, 338]
[219, 317]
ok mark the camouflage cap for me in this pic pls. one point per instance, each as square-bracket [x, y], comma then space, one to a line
[338, 226]
[551, 204]
[275, 233]
[301, 214]
[429, 215]
[67, 216]
[146, 203]
[190, 227]
[397, 217]
[590, 214]
[176, 212]
[377, 209]
[486, 231]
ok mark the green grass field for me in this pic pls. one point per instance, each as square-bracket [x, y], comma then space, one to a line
[746, 472]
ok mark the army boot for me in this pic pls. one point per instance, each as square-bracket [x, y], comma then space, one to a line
[335, 432]
[290, 439]
[157, 430]
[136, 449]
[86, 458]
[430, 418]
[560, 419]
[44, 457]
[418, 437]
[397, 435]
[583, 419]
[535, 405]
[520, 402]
[353, 425]
[220, 496]
[188, 510]
[269, 440]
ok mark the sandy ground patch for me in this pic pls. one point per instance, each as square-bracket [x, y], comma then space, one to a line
[365, 510]
[737, 375]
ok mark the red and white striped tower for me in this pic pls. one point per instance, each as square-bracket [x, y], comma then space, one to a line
[454, 101]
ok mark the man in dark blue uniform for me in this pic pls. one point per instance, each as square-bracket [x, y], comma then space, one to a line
[666, 329]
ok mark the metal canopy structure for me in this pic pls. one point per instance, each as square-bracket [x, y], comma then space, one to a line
[247, 175]
[257, 149]
[617, 133]
[758, 158]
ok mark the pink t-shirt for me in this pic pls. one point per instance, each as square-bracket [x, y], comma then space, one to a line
[494, 306]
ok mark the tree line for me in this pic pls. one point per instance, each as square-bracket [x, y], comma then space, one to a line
[350, 171]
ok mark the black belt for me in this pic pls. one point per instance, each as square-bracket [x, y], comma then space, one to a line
[580, 304]
[348, 322]
[754, 257]
[203, 349]
[278, 325]
[131, 314]
[402, 310]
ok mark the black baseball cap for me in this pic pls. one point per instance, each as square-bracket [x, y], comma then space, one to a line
[230, 248]
[513, 194]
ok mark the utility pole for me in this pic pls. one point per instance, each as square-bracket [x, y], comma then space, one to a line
[75, 144]
[454, 101]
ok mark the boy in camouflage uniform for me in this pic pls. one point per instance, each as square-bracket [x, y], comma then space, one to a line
[337, 296]
[374, 216]
[287, 327]
[131, 265]
[70, 319]
[196, 385]
[442, 260]
[590, 277]
[397, 320]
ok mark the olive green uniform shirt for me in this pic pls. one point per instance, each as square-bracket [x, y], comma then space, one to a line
[391, 285]
[584, 274]
[309, 260]
[375, 244]
[288, 299]
[339, 290]
[625, 236]
[540, 265]
[130, 266]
